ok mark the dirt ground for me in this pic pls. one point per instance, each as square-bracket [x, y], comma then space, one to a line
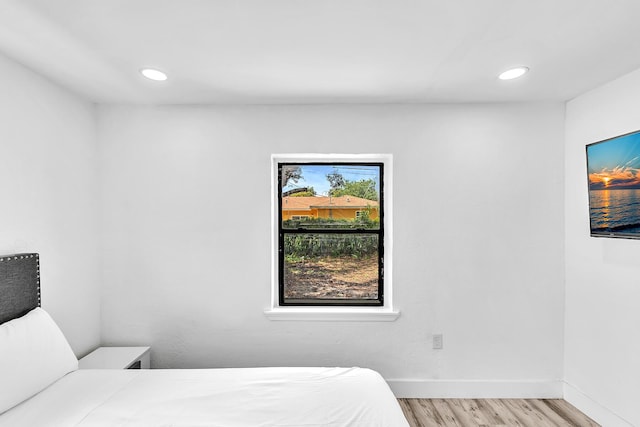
[332, 277]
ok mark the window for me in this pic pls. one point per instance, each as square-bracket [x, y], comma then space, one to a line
[307, 238]
[330, 233]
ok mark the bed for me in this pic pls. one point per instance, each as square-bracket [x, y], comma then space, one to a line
[40, 384]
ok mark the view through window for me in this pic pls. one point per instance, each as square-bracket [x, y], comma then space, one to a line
[331, 233]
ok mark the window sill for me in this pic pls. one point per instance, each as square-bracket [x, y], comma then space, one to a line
[325, 314]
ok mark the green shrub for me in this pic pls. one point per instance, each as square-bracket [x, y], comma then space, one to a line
[317, 245]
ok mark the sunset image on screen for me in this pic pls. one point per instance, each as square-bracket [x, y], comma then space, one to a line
[614, 186]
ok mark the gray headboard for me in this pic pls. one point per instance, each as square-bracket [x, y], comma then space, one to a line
[19, 285]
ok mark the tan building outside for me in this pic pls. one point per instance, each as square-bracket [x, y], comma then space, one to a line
[343, 207]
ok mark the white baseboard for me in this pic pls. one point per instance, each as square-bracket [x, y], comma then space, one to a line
[477, 389]
[591, 408]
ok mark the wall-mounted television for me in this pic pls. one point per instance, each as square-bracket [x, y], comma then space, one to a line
[613, 166]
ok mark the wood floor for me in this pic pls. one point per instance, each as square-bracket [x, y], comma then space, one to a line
[493, 412]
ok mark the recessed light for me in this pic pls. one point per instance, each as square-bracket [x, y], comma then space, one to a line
[513, 73]
[153, 74]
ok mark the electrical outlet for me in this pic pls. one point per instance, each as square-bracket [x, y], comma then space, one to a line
[437, 341]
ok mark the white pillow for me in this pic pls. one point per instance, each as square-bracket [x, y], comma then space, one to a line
[33, 354]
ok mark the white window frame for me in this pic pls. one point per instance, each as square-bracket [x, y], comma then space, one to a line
[387, 312]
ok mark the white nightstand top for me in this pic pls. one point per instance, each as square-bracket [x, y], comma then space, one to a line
[113, 357]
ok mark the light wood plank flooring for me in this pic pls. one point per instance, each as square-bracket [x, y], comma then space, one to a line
[493, 413]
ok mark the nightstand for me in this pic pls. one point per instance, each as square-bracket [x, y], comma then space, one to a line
[116, 358]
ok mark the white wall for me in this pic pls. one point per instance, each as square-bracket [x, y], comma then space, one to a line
[602, 275]
[48, 198]
[478, 239]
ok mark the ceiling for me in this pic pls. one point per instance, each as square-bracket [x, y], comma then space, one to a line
[323, 51]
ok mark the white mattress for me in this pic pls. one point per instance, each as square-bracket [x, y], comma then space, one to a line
[253, 397]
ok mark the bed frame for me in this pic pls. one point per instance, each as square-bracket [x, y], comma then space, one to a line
[19, 285]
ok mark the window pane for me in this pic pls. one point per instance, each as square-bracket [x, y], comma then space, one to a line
[343, 196]
[331, 266]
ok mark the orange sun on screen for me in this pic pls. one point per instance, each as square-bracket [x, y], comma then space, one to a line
[606, 180]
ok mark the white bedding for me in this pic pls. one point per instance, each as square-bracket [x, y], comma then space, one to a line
[250, 397]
